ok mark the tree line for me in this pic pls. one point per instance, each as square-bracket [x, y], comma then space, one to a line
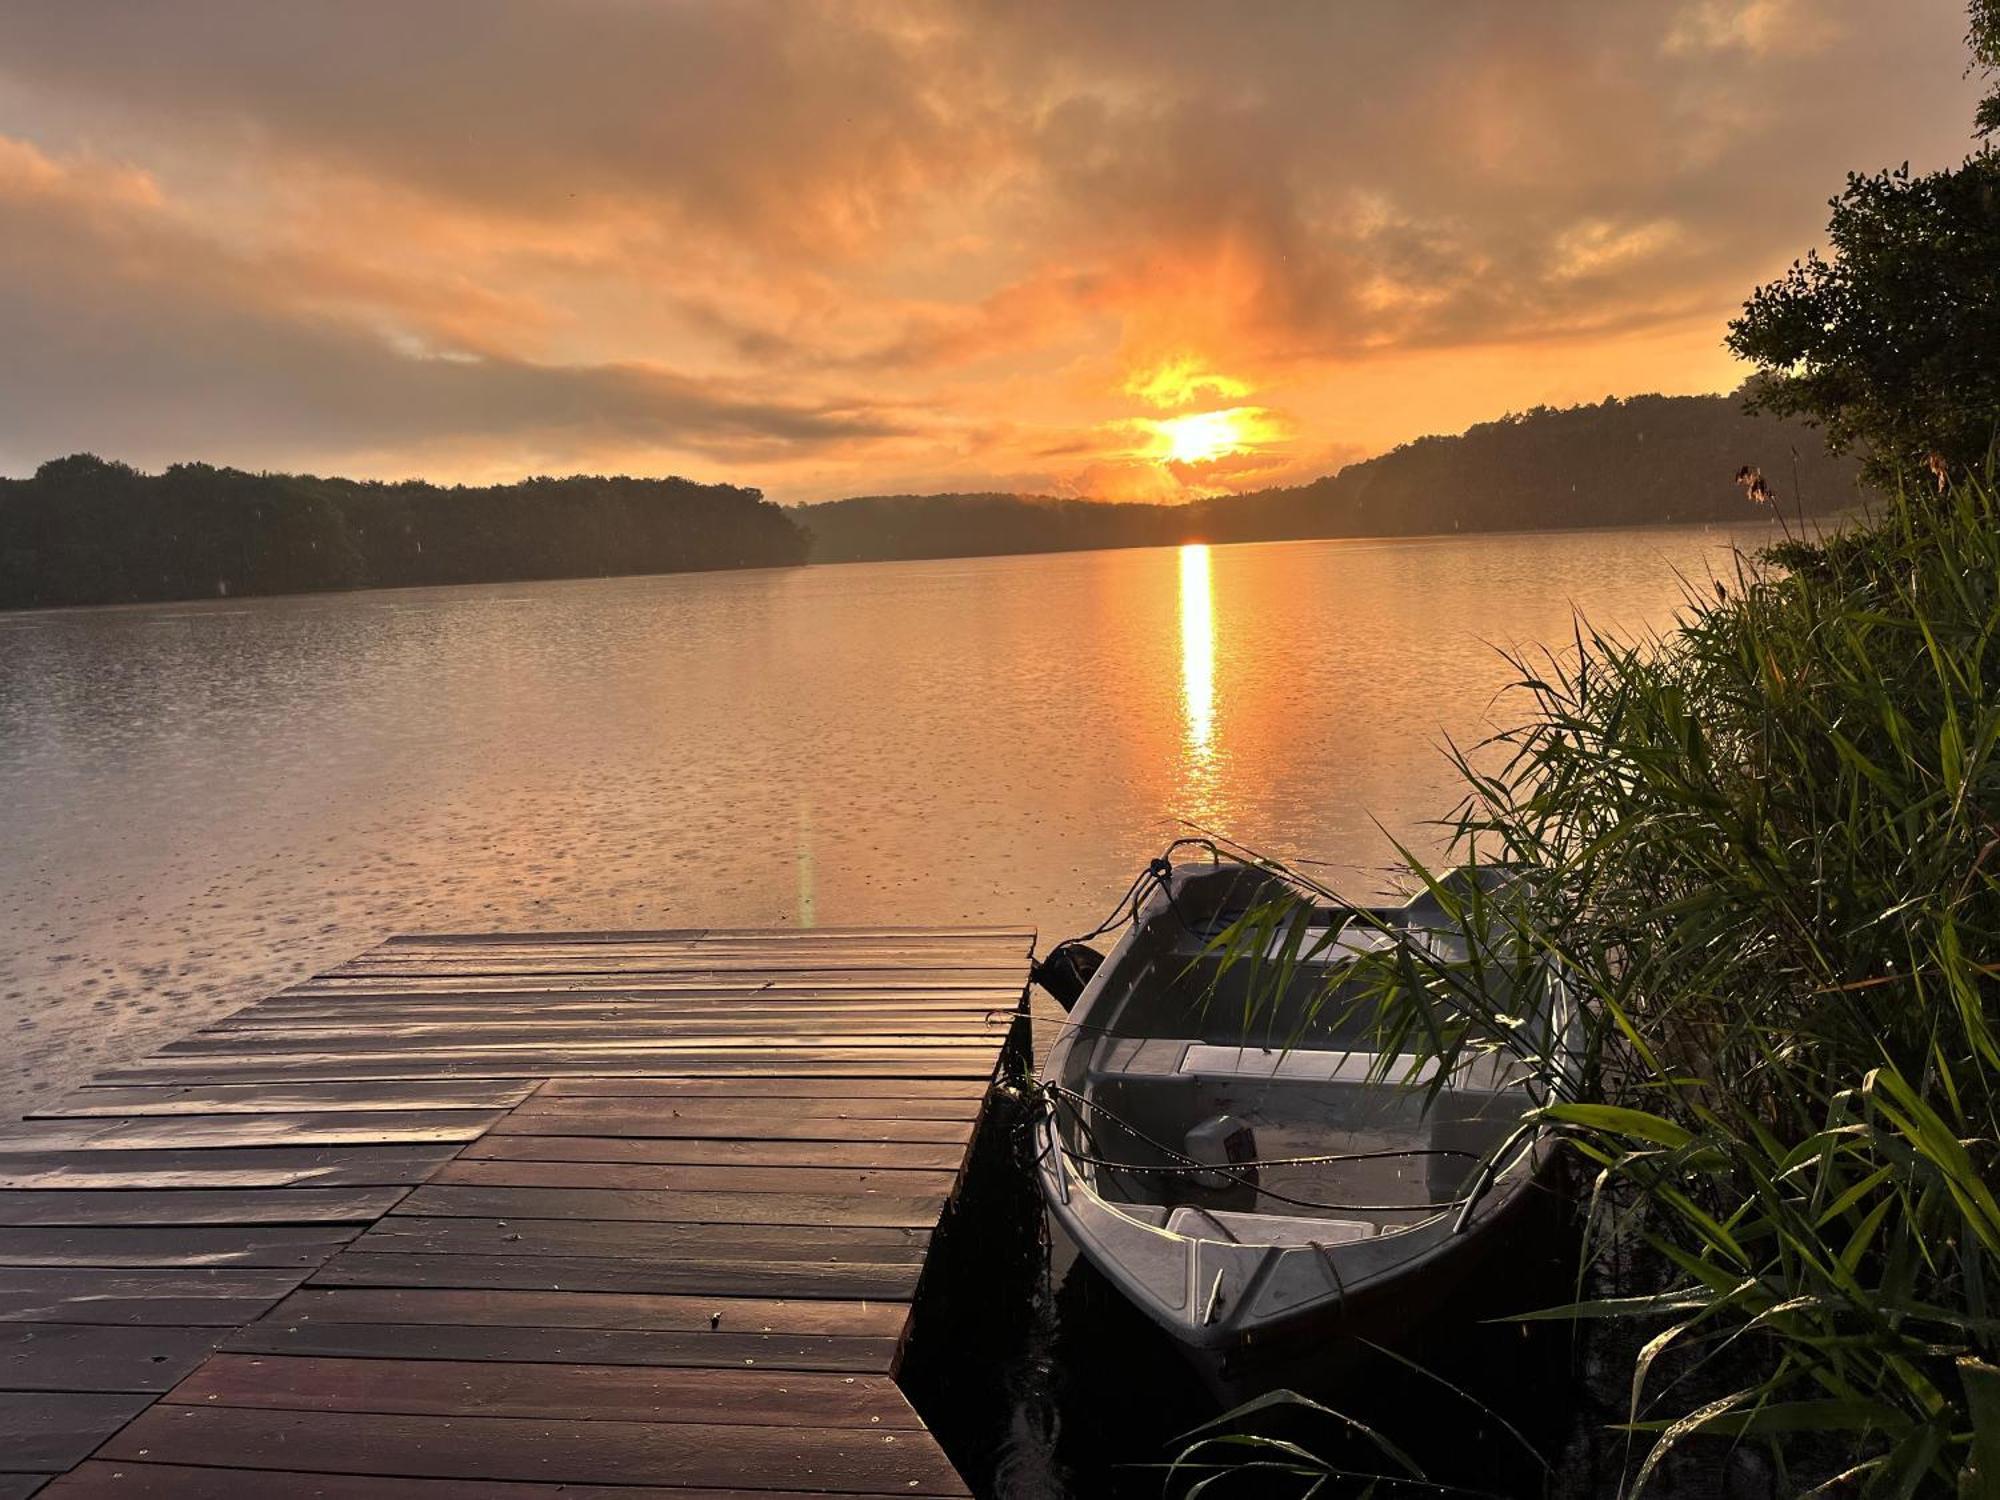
[85, 530]
[1643, 460]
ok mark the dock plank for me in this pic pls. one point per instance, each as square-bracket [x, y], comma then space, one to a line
[732, 1176]
[760, 1125]
[638, 1311]
[675, 1207]
[185, 1297]
[225, 1167]
[568, 1392]
[658, 1348]
[227, 1245]
[310, 1205]
[150, 1481]
[700, 1150]
[629, 1240]
[100, 1357]
[282, 1128]
[722, 1278]
[837, 1459]
[48, 1431]
[264, 1099]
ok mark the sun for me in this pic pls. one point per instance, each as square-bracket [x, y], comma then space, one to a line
[1200, 437]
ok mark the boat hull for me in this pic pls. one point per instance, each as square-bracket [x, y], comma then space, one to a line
[1260, 1302]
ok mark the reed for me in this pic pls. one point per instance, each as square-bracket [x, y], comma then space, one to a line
[1762, 851]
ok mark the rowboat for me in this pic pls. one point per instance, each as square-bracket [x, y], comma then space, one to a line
[1217, 1136]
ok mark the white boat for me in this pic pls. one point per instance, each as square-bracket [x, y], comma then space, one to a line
[1239, 1166]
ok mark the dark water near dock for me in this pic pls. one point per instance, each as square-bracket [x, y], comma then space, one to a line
[200, 803]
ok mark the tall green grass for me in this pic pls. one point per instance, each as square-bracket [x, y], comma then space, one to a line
[1764, 851]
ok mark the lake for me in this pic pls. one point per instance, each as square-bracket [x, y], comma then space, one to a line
[200, 803]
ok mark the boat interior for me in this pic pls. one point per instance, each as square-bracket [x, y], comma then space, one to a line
[1190, 1060]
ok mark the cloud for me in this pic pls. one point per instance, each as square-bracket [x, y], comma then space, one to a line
[829, 244]
[201, 350]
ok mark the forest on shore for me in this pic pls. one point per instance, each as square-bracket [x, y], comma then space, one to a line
[1641, 461]
[87, 531]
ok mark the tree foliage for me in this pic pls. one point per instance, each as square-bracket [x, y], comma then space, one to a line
[88, 531]
[1638, 461]
[1982, 36]
[1893, 342]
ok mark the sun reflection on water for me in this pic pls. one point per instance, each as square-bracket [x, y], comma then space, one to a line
[1198, 652]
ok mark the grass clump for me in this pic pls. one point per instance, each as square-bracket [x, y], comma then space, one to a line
[1764, 852]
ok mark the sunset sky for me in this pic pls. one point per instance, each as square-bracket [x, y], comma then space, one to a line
[1142, 250]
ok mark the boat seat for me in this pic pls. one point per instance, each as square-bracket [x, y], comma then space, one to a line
[1137, 1058]
[1265, 1229]
[1307, 1064]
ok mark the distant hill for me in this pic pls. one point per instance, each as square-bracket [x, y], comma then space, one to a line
[85, 531]
[1640, 461]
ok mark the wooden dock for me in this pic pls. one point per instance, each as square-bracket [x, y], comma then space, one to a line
[508, 1217]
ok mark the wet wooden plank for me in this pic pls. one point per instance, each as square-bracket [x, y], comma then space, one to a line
[674, 1207]
[687, 1005]
[199, 1206]
[568, 1392]
[853, 1063]
[234, 1245]
[585, 1041]
[196, 1132]
[150, 1481]
[906, 965]
[731, 1177]
[998, 934]
[630, 1240]
[756, 1124]
[558, 935]
[575, 1031]
[708, 1151]
[264, 1099]
[73, 1357]
[532, 1273]
[966, 1095]
[48, 1431]
[920, 948]
[755, 1112]
[719, 984]
[664, 1313]
[504, 1448]
[659, 1348]
[485, 1023]
[191, 1297]
[856, 968]
[225, 1167]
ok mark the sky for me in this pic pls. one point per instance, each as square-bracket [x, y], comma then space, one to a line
[1130, 249]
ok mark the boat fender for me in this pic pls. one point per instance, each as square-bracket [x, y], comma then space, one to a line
[1223, 1141]
[1066, 971]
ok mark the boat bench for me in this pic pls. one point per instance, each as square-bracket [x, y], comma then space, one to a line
[1136, 1059]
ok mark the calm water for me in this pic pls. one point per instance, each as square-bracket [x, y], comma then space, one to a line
[199, 803]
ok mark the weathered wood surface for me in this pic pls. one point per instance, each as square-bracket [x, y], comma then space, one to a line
[480, 1215]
